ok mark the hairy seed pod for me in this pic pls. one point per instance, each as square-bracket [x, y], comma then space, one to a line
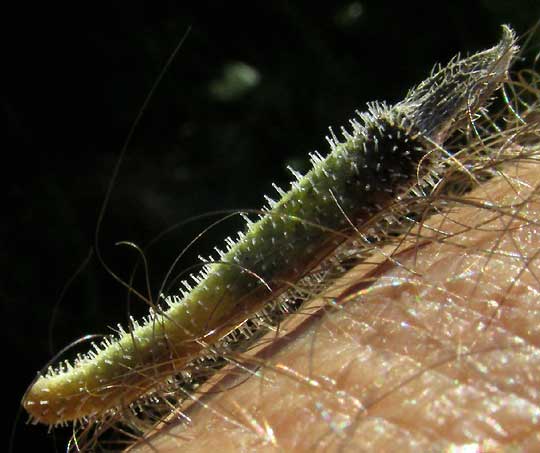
[388, 151]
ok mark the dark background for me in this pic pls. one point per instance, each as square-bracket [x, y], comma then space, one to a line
[74, 80]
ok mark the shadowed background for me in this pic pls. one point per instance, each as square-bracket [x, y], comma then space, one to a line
[252, 90]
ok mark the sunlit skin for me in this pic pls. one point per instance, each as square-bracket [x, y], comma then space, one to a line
[445, 358]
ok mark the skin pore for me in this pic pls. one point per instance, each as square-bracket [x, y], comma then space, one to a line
[437, 351]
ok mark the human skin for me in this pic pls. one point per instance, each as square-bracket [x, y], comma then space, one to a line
[437, 352]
